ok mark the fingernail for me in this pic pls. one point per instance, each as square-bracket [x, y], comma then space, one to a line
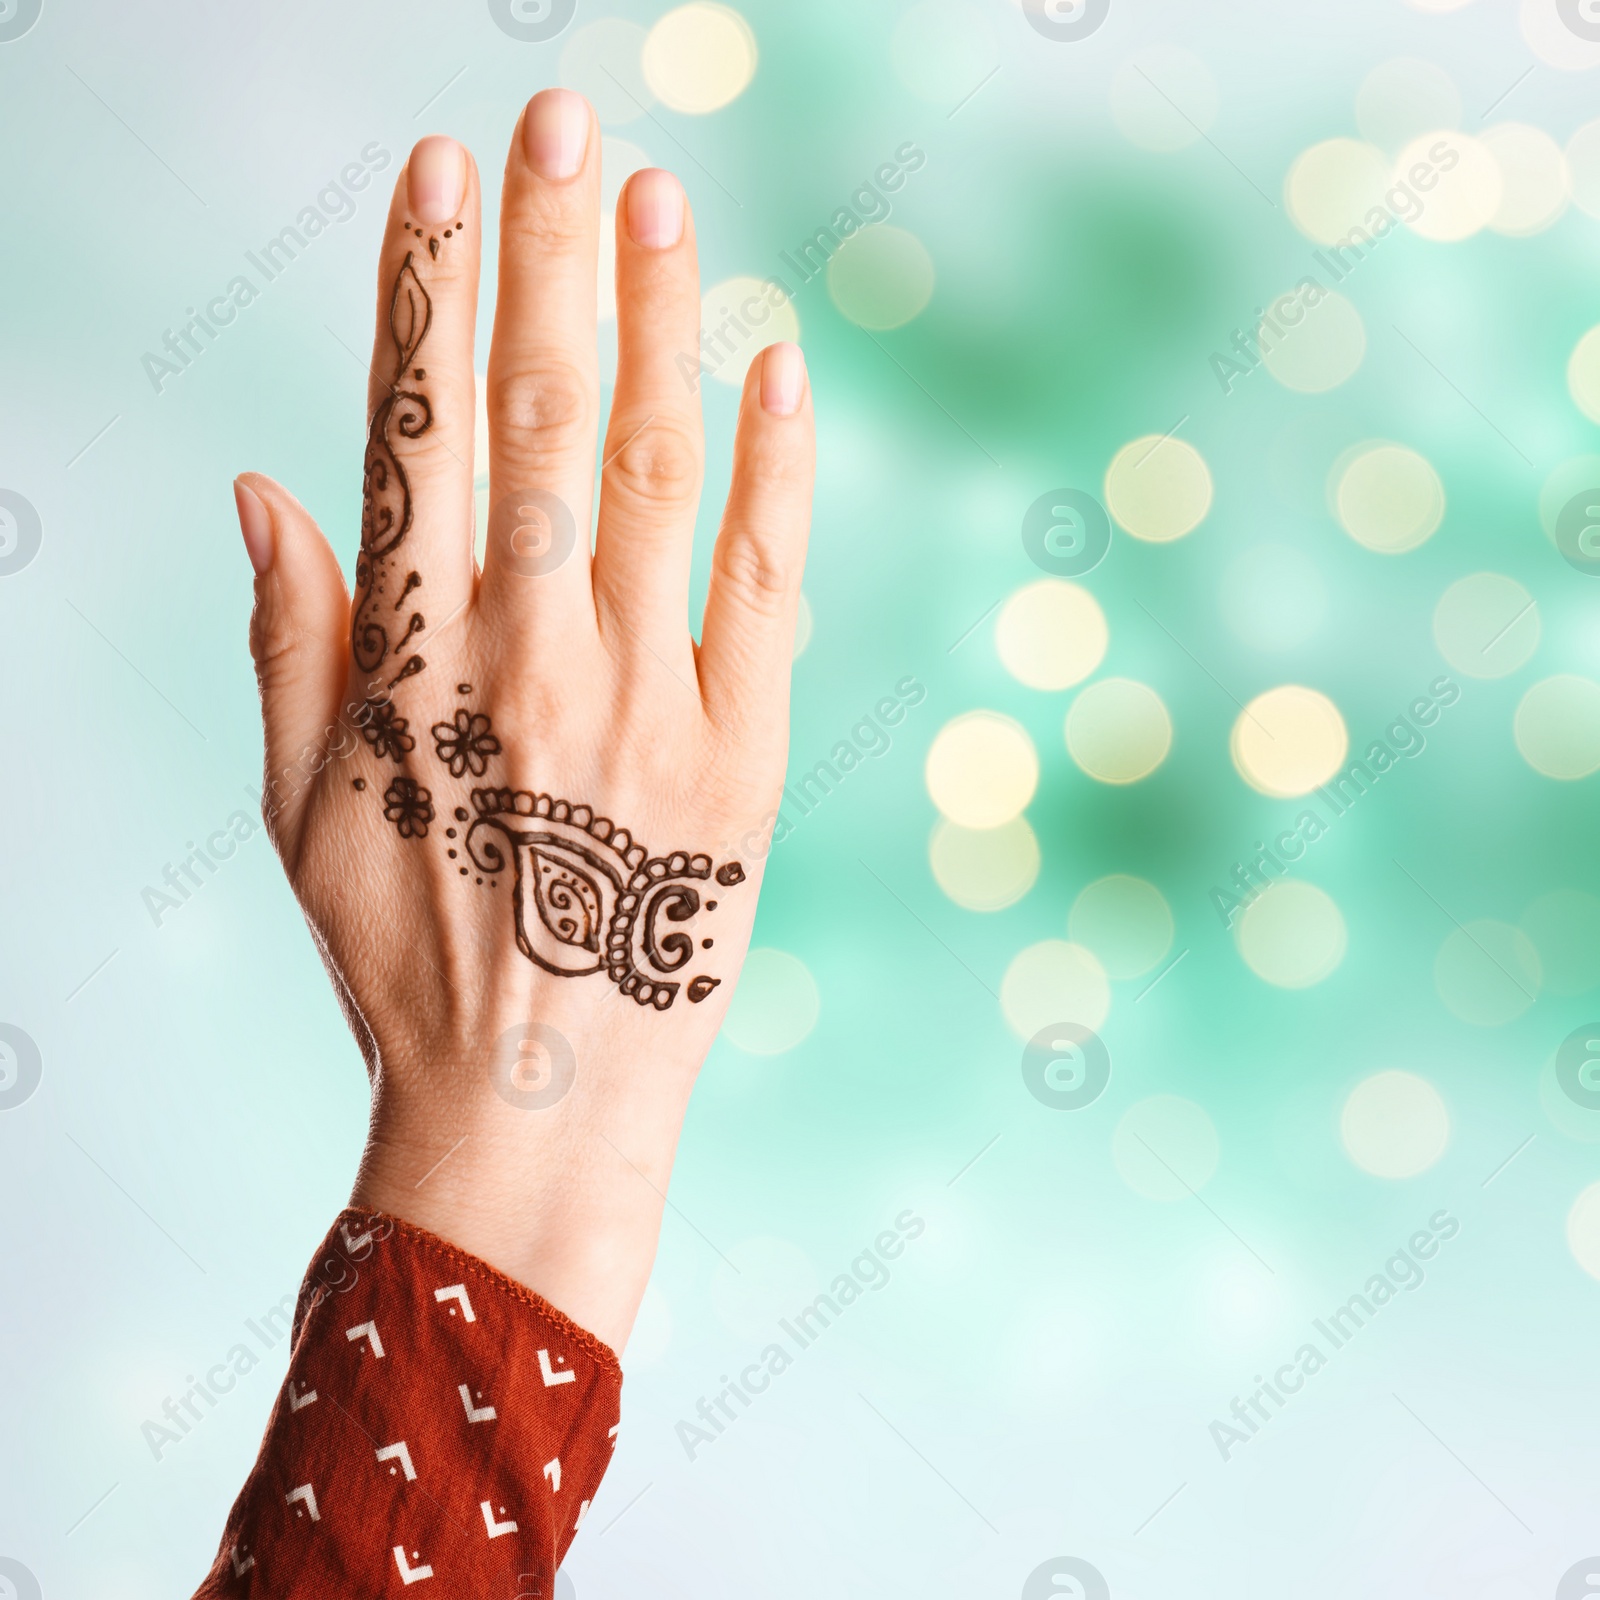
[436, 179]
[655, 209]
[254, 524]
[555, 133]
[783, 379]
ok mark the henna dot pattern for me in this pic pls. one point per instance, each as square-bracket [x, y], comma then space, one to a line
[590, 898]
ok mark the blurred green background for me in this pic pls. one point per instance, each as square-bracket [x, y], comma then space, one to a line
[1353, 1076]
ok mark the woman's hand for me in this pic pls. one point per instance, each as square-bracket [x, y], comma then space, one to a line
[505, 801]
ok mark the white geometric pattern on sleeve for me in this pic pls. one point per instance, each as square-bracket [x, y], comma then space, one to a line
[550, 1375]
[496, 1529]
[308, 1497]
[410, 1574]
[398, 1452]
[475, 1413]
[456, 1291]
[369, 1332]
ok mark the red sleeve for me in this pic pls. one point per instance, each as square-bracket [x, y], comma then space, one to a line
[439, 1422]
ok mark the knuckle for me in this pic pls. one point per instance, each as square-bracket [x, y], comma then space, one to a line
[541, 407]
[659, 466]
[756, 567]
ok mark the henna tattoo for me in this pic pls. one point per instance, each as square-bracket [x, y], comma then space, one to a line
[386, 507]
[465, 744]
[413, 665]
[409, 807]
[417, 625]
[591, 899]
[413, 579]
[384, 730]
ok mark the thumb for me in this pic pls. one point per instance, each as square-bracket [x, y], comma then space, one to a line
[298, 639]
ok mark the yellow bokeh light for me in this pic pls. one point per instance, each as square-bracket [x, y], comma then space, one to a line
[1051, 634]
[698, 57]
[1535, 182]
[881, 277]
[1333, 187]
[1118, 731]
[1125, 921]
[1292, 934]
[1486, 625]
[1583, 167]
[1464, 194]
[1557, 726]
[1551, 36]
[1054, 982]
[1312, 346]
[1389, 498]
[1394, 1125]
[1158, 488]
[981, 769]
[1583, 374]
[1487, 972]
[775, 1005]
[1583, 1230]
[1288, 741]
[984, 869]
[739, 318]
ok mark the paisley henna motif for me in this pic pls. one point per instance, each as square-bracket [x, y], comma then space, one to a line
[589, 898]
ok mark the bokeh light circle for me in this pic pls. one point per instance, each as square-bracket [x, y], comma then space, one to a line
[981, 769]
[1465, 196]
[1487, 973]
[1557, 726]
[1535, 181]
[1583, 167]
[1486, 625]
[1125, 921]
[1388, 498]
[1583, 1231]
[881, 277]
[1054, 981]
[1583, 374]
[1158, 488]
[1321, 349]
[1334, 186]
[1561, 33]
[1165, 1148]
[775, 1005]
[698, 57]
[984, 869]
[1051, 634]
[1394, 1125]
[1292, 935]
[1288, 741]
[743, 315]
[1118, 731]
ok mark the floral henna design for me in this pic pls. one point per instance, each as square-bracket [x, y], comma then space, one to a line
[589, 899]
[409, 807]
[385, 730]
[465, 744]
